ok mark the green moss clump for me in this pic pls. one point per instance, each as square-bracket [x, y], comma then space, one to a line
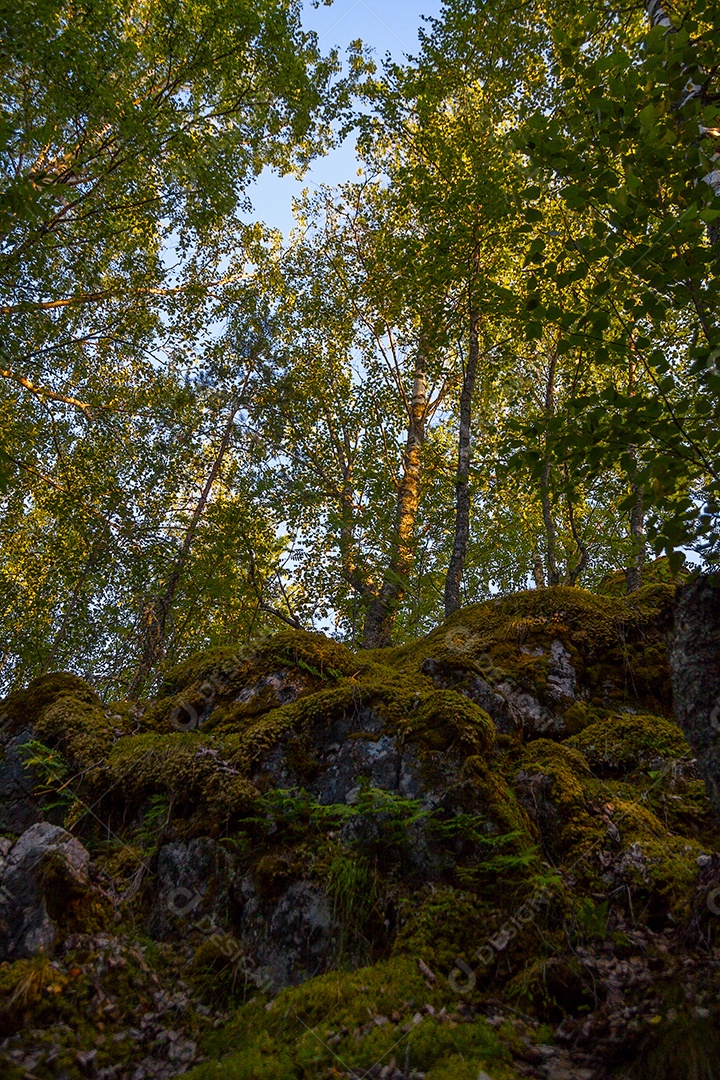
[189, 767]
[82, 728]
[616, 645]
[228, 670]
[361, 1017]
[445, 719]
[550, 779]
[578, 717]
[441, 924]
[661, 878]
[23, 707]
[622, 743]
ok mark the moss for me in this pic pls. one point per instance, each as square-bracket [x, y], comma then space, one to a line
[658, 572]
[272, 873]
[226, 671]
[496, 796]
[550, 783]
[622, 743]
[82, 728]
[445, 719]
[363, 1018]
[662, 876]
[23, 707]
[440, 924]
[553, 988]
[683, 807]
[578, 717]
[616, 645]
[188, 767]
[73, 907]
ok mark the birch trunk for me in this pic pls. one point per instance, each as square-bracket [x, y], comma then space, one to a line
[385, 603]
[553, 574]
[156, 612]
[462, 483]
[657, 16]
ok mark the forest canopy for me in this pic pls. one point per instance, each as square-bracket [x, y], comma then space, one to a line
[490, 360]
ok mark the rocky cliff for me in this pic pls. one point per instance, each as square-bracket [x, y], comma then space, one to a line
[486, 854]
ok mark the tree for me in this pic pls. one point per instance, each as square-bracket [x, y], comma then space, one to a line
[129, 136]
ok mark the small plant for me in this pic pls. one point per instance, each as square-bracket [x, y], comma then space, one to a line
[353, 888]
[52, 774]
[155, 819]
[591, 919]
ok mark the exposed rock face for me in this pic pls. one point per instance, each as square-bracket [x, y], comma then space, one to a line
[44, 867]
[291, 939]
[19, 807]
[192, 887]
[695, 667]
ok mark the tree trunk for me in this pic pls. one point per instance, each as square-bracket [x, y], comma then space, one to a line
[538, 571]
[385, 603]
[462, 482]
[694, 89]
[553, 574]
[633, 574]
[156, 611]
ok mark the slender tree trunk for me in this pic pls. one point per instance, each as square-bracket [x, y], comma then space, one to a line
[581, 565]
[553, 574]
[656, 14]
[385, 603]
[156, 611]
[697, 80]
[633, 574]
[538, 571]
[462, 482]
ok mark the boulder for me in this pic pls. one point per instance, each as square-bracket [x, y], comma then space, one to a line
[45, 869]
[290, 939]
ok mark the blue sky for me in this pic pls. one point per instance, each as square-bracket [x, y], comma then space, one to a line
[384, 25]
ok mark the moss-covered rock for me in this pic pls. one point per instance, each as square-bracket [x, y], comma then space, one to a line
[622, 742]
[484, 819]
[548, 659]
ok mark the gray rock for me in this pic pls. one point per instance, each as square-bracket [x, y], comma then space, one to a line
[291, 939]
[19, 807]
[538, 721]
[29, 895]
[562, 680]
[192, 888]
[694, 658]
